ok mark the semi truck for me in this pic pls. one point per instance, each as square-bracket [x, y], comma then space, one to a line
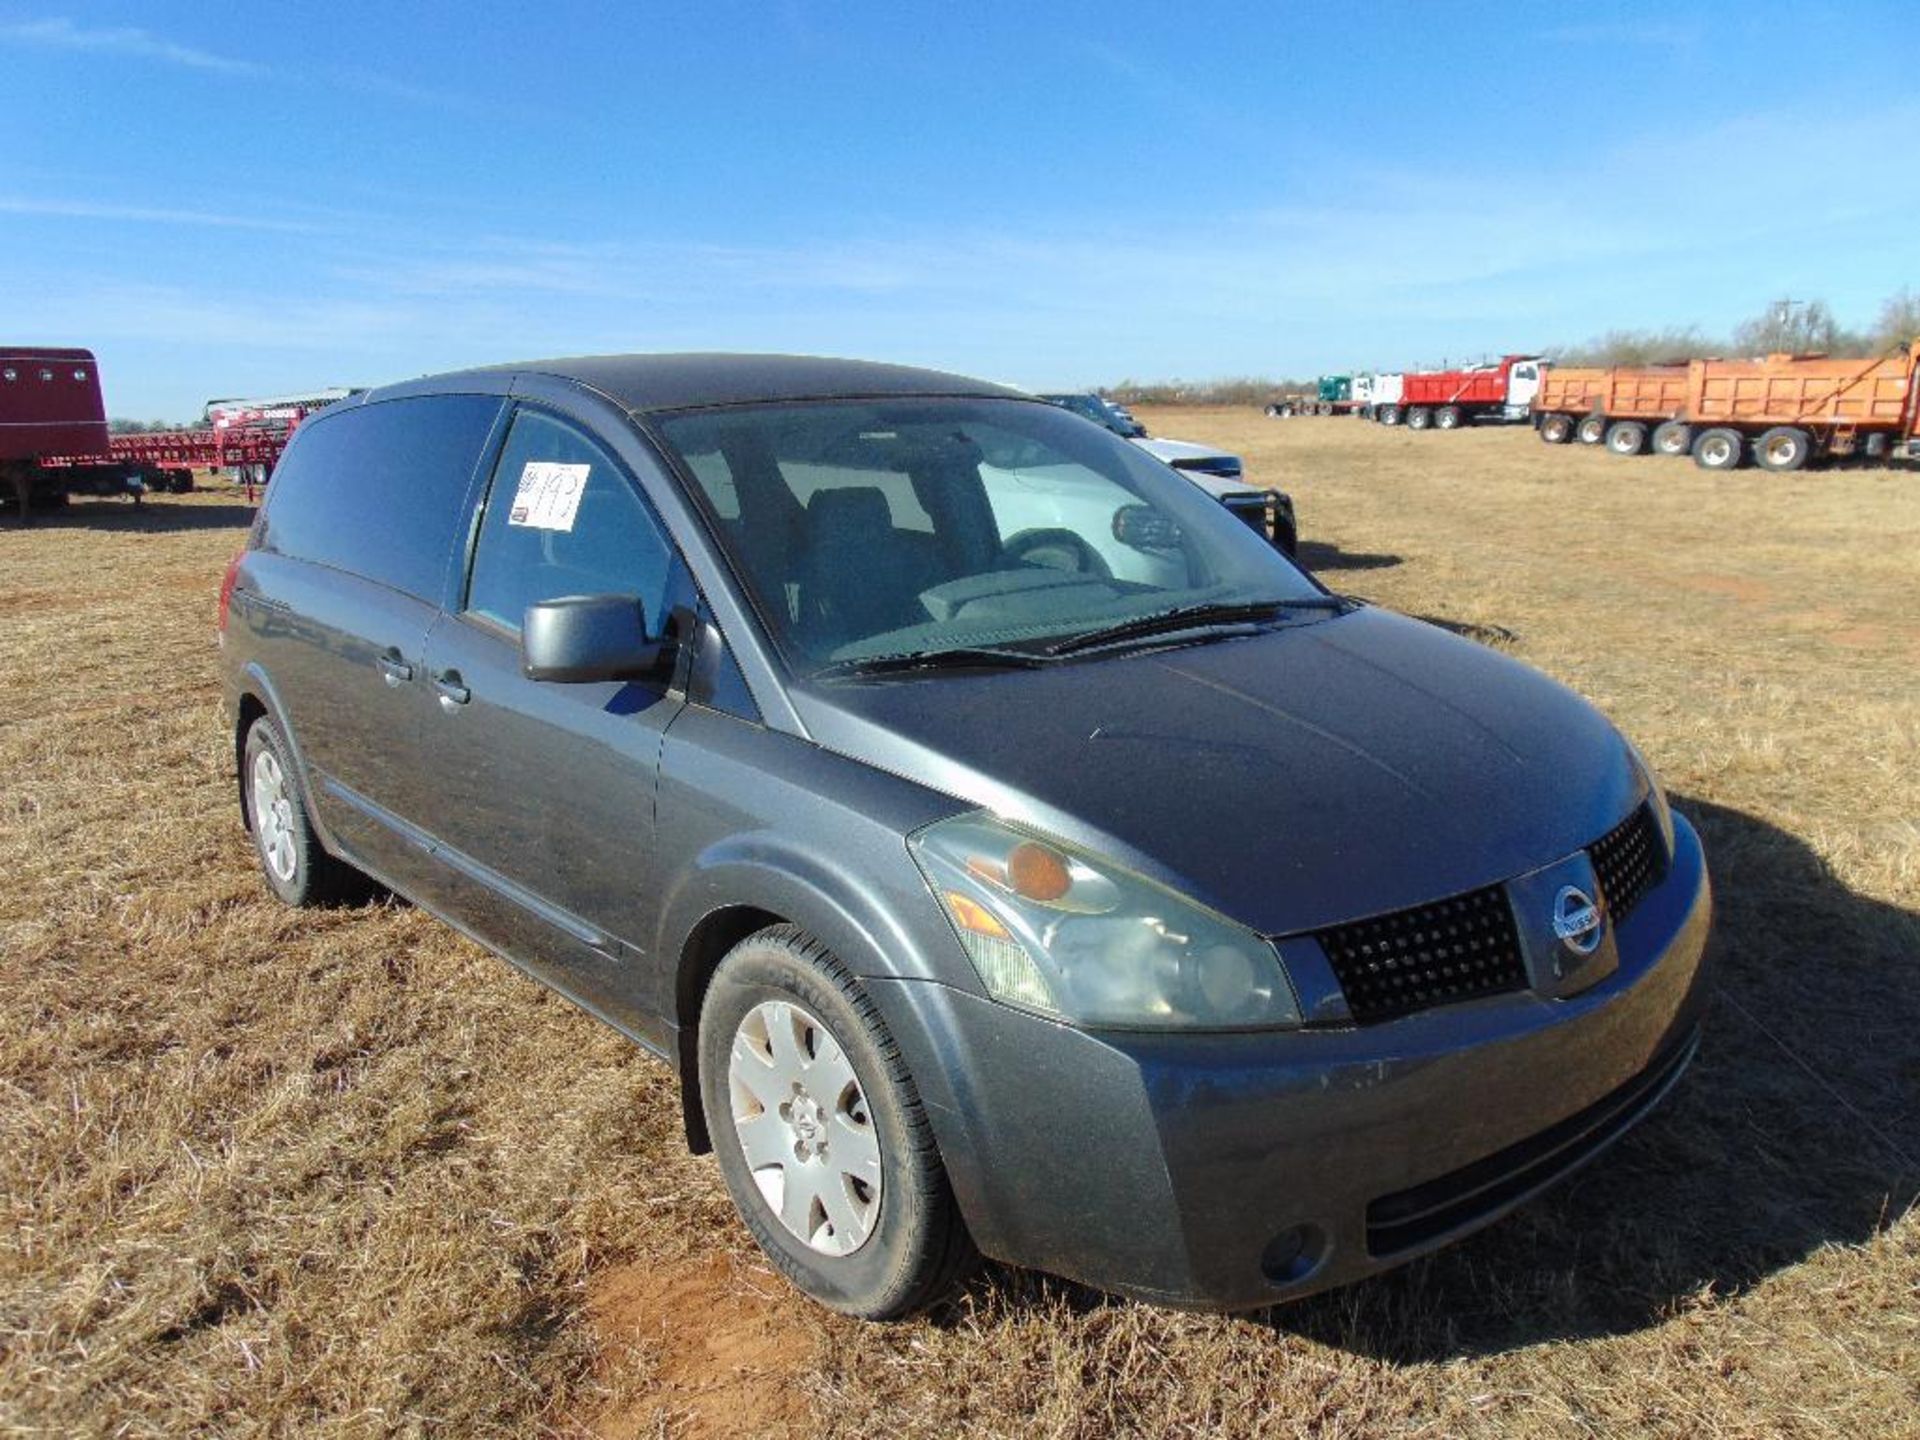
[1498, 393]
[1625, 407]
[1331, 395]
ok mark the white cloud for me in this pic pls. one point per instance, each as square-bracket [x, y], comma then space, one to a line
[147, 215]
[63, 34]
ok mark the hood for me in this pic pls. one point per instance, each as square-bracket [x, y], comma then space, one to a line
[1312, 774]
[1172, 450]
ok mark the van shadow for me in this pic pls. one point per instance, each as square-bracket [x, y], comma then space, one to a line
[1796, 1128]
[154, 516]
[1317, 555]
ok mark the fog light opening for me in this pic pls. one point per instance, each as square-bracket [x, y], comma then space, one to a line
[1293, 1254]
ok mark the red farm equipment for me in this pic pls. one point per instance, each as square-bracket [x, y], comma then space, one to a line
[54, 441]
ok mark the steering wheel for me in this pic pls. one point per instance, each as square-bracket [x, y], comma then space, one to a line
[1058, 550]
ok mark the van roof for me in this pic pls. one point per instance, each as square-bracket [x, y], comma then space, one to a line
[684, 381]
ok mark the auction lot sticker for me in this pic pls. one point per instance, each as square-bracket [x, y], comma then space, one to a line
[549, 495]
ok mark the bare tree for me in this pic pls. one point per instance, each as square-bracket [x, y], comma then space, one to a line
[1899, 320]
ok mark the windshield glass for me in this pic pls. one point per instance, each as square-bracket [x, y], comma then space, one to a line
[912, 527]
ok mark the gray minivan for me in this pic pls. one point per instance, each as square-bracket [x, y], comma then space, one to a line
[1012, 852]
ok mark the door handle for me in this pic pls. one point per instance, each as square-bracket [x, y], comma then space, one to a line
[393, 669]
[452, 690]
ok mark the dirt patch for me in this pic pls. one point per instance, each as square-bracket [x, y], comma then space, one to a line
[730, 1347]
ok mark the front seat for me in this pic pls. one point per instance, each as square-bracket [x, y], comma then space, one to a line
[860, 576]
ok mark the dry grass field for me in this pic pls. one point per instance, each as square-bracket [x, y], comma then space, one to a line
[344, 1173]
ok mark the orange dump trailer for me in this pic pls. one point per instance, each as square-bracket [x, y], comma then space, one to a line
[1790, 410]
[1623, 405]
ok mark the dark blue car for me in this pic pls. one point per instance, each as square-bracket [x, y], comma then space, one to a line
[1009, 848]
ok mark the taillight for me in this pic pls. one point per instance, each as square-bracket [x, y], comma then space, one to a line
[226, 590]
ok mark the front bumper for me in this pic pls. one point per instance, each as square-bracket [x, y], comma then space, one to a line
[1234, 1171]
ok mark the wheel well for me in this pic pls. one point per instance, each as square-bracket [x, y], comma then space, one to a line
[711, 939]
[250, 710]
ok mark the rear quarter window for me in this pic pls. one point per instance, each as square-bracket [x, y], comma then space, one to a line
[380, 490]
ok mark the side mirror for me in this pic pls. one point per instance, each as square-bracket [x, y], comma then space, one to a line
[588, 637]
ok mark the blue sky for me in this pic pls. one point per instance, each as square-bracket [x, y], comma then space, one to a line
[224, 199]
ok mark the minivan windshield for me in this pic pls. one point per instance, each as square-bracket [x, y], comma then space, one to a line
[882, 529]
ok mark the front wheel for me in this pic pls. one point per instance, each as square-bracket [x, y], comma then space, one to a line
[821, 1135]
[1390, 415]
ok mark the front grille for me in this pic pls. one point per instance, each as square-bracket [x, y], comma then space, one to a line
[1411, 1218]
[1629, 861]
[1458, 949]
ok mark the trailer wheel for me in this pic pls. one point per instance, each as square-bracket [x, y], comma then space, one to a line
[1390, 415]
[1556, 429]
[1447, 417]
[1591, 430]
[1783, 448]
[1672, 437]
[1720, 449]
[1626, 437]
[1419, 418]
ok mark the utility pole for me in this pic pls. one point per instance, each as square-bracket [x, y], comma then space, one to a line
[1783, 321]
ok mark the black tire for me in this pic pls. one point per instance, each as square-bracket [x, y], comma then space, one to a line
[1876, 447]
[1783, 448]
[315, 877]
[1720, 449]
[918, 1250]
[1591, 430]
[1419, 418]
[1627, 437]
[1391, 415]
[1447, 417]
[1672, 437]
[1556, 429]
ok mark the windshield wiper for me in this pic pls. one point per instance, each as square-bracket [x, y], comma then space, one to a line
[1191, 617]
[964, 657]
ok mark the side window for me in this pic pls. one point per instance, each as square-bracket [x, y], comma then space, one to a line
[563, 519]
[379, 490]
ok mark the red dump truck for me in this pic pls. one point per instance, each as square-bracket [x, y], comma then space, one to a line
[1448, 399]
[1627, 407]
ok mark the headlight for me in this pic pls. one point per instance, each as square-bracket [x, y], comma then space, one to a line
[1052, 929]
[1662, 810]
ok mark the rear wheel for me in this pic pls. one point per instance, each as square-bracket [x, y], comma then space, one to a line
[1591, 430]
[1672, 437]
[1390, 415]
[1783, 448]
[1556, 429]
[1447, 417]
[821, 1135]
[1626, 437]
[1876, 446]
[1720, 449]
[1419, 418]
[297, 867]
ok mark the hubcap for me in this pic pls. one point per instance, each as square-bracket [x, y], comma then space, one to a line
[804, 1127]
[273, 816]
